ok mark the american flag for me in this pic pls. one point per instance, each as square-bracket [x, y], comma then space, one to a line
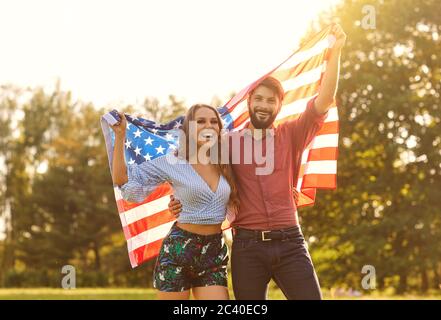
[146, 224]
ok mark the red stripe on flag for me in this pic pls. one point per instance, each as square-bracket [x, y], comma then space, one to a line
[330, 153]
[306, 197]
[150, 222]
[146, 252]
[323, 181]
[328, 128]
[241, 119]
[304, 66]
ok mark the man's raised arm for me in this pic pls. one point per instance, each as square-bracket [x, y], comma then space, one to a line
[328, 88]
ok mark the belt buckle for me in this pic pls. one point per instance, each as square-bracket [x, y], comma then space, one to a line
[263, 235]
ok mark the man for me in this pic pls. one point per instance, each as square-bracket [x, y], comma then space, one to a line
[267, 240]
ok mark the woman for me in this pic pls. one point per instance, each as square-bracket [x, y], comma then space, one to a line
[193, 255]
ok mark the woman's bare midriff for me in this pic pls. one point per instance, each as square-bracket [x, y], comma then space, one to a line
[202, 229]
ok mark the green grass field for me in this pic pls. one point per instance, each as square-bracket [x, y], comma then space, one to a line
[150, 294]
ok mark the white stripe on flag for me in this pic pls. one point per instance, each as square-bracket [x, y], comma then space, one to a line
[304, 78]
[332, 115]
[145, 210]
[117, 192]
[293, 108]
[149, 236]
[305, 155]
[299, 184]
[240, 108]
[321, 167]
[325, 141]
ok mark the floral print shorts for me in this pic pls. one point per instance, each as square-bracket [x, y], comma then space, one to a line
[189, 260]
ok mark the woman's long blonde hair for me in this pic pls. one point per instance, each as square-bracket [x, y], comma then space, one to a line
[224, 169]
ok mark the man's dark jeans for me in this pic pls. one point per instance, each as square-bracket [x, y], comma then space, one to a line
[255, 262]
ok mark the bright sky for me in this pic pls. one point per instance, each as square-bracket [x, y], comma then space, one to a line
[115, 52]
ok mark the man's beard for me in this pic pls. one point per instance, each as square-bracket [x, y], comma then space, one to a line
[259, 124]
